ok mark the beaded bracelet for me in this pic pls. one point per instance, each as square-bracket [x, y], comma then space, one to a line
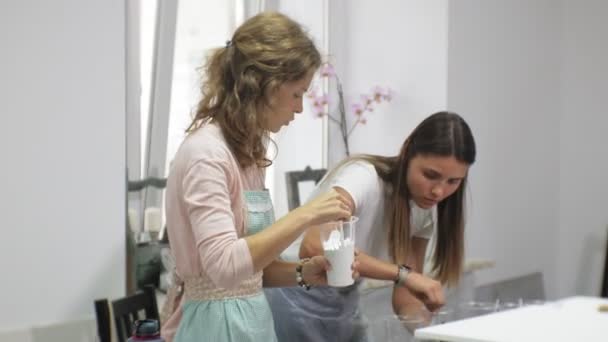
[299, 277]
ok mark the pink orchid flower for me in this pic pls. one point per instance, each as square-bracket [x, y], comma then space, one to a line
[318, 111]
[327, 70]
[378, 94]
[312, 92]
[366, 100]
[322, 100]
[319, 101]
[388, 94]
[357, 109]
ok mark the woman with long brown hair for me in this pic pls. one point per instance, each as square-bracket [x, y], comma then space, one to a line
[220, 218]
[401, 202]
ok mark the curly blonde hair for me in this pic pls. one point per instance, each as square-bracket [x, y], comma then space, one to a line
[266, 51]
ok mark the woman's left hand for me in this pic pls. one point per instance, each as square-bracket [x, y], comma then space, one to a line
[355, 265]
[314, 271]
[429, 291]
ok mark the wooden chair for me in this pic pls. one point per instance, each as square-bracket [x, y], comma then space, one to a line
[104, 320]
[293, 178]
[141, 305]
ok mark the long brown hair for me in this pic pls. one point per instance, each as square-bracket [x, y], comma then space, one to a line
[441, 134]
[266, 51]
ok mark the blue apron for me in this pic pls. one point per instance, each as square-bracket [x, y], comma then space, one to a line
[323, 314]
[234, 316]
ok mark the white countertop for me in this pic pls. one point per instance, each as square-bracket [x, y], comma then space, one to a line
[571, 319]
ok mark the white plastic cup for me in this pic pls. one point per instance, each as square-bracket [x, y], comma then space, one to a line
[338, 241]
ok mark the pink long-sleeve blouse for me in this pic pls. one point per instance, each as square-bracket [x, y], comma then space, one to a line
[206, 211]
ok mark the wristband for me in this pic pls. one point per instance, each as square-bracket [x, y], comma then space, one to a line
[404, 270]
[299, 277]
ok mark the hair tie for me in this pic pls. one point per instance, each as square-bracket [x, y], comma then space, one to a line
[228, 43]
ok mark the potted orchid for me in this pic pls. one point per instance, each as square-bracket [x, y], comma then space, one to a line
[366, 104]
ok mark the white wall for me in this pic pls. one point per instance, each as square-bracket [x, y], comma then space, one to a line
[62, 127]
[395, 43]
[504, 80]
[529, 76]
[583, 209]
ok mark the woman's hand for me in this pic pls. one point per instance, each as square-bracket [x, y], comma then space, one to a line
[327, 207]
[414, 315]
[314, 271]
[355, 265]
[425, 289]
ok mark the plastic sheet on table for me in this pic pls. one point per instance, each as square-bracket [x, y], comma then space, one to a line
[392, 328]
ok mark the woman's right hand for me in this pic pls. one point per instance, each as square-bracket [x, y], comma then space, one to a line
[428, 291]
[327, 207]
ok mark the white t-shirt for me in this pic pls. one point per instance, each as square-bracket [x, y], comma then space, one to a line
[360, 180]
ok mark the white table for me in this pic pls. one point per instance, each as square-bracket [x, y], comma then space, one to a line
[569, 320]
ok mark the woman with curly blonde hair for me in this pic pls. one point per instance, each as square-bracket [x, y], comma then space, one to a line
[220, 220]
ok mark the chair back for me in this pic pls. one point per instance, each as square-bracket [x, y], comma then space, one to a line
[525, 287]
[126, 310]
[104, 320]
[129, 309]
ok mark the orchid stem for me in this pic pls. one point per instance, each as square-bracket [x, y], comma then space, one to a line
[330, 117]
[342, 115]
[352, 128]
